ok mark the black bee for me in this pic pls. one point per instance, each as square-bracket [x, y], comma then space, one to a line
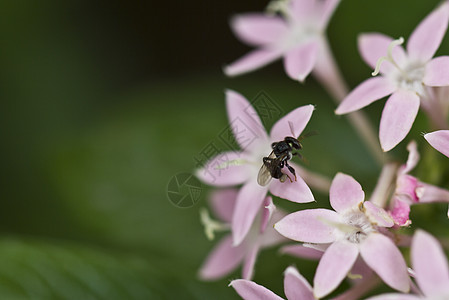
[278, 158]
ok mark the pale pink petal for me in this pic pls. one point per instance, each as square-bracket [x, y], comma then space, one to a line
[271, 237]
[249, 262]
[382, 255]
[366, 93]
[397, 118]
[302, 10]
[430, 193]
[437, 72]
[400, 211]
[373, 46]
[267, 212]
[406, 186]
[252, 61]
[249, 202]
[333, 267]
[299, 62]
[413, 157]
[295, 121]
[426, 38]
[258, 29]
[308, 226]
[394, 297]
[345, 193]
[221, 171]
[327, 9]
[430, 265]
[249, 290]
[296, 286]
[377, 215]
[439, 140]
[301, 251]
[244, 121]
[223, 202]
[296, 191]
[223, 259]
[360, 268]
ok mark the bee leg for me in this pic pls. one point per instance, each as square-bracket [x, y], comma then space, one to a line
[290, 168]
[284, 177]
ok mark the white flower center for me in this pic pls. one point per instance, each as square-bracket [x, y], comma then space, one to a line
[359, 226]
[409, 76]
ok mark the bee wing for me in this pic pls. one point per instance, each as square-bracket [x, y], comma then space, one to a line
[264, 176]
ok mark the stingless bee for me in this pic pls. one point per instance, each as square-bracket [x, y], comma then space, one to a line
[278, 158]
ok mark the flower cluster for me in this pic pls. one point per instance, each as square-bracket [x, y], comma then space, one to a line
[360, 238]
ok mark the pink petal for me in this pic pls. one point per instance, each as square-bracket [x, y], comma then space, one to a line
[439, 140]
[333, 267]
[377, 215]
[299, 62]
[400, 211]
[382, 255]
[252, 61]
[258, 29]
[345, 193]
[413, 157]
[437, 72]
[430, 265]
[271, 237]
[327, 9]
[302, 10]
[397, 118]
[249, 203]
[295, 120]
[373, 46]
[249, 262]
[223, 259]
[430, 193]
[394, 297]
[219, 171]
[426, 38]
[296, 286]
[223, 202]
[296, 191]
[308, 226]
[245, 122]
[301, 251]
[249, 290]
[366, 93]
[406, 186]
[267, 212]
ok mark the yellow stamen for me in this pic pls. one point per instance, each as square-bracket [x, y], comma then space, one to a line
[389, 56]
[210, 225]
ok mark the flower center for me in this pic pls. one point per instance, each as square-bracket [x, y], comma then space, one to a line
[407, 77]
[359, 226]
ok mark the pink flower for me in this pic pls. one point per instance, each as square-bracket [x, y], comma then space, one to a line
[242, 167]
[405, 75]
[409, 190]
[439, 140]
[225, 258]
[295, 287]
[353, 228]
[298, 37]
[431, 269]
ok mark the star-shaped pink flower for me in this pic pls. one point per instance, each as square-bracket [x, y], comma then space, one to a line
[353, 228]
[225, 258]
[410, 190]
[405, 75]
[439, 140]
[295, 287]
[431, 270]
[298, 36]
[242, 167]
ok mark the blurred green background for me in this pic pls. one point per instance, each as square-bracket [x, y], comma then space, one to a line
[103, 102]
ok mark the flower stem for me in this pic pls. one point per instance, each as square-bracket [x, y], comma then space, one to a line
[327, 73]
[382, 191]
[434, 110]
